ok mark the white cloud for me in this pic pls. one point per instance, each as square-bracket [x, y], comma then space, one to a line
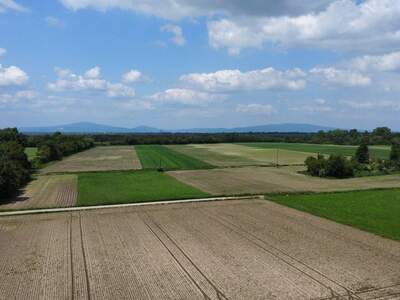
[2, 51]
[371, 25]
[90, 81]
[383, 104]
[54, 22]
[132, 76]
[137, 105]
[381, 63]
[12, 76]
[234, 80]
[186, 97]
[255, 108]
[6, 5]
[176, 31]
[16, 97]
[340, 77]
[177, 9]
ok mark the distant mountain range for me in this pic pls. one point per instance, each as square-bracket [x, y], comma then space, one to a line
[87, 127]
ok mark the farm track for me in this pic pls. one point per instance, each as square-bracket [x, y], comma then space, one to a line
[244, 249]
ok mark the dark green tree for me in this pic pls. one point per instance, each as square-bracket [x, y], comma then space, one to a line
[362, 154]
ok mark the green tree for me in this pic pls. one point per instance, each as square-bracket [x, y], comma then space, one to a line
[362, 154]
[395, 152]
[339, 167]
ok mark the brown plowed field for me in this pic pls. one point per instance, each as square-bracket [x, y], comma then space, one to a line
[47, 191]
[220, 250]
[257, 180]
[98, 159]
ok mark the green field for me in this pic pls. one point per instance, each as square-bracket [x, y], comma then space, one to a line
[31, 152]
[226, 155]
[156, 156]
[376, 151]
[376, 211]
[130, 187]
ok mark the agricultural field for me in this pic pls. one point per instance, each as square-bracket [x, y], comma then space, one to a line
[376, 211]
[31, 152]
[221, 250]
[97, 159]
[46, 191]
[127, 187]
[157, 156]
[258, 180]
[382, 152]
[224, 155]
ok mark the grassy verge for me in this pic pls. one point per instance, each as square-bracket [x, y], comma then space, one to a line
[376, 211]
[376, 152]
[156, 156]
[31, 152]
[130, 187]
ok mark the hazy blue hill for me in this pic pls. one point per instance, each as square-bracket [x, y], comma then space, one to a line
[87, 127]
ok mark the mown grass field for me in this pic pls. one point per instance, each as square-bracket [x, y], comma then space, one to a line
[31, 152]
[376, 211]
[375, 151]
[157, 156]
[130, 187]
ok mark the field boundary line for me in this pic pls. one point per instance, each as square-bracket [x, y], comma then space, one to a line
[96, 207]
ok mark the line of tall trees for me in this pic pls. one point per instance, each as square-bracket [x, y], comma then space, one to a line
[14, 164]
[379, 136]
[56, 146]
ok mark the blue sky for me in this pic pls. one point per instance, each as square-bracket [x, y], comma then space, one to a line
[189, 63]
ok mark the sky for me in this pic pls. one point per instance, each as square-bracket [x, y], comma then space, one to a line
[200, 63]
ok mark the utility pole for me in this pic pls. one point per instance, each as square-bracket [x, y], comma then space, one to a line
[277, 157]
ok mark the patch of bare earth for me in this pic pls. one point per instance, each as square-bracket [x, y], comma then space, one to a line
[98, 159]
[220, 250]
[256, 180]
[47, 191]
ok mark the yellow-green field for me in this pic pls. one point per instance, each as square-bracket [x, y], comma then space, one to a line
[226, 155]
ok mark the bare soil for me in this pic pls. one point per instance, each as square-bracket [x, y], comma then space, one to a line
[47, 191]
[257, 180]
[97, 159]
[221, 250]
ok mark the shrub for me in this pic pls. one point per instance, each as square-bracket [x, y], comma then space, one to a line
[339, 167]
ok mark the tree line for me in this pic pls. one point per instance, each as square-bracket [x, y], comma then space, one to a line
[16, 169]
[379, 136]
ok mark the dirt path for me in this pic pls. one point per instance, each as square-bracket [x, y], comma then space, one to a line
[47, 191]
[245, 249]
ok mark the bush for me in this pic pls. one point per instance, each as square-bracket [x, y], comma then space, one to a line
[316, 166]
[395, 152]
[339, 167]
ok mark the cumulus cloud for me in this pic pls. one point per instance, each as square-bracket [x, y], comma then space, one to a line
[17, 96]
[2, 51]
[90, 81]
[343, 25]
[186, 97]
[12, 76]
[6, 5]
[177, 32]
[333, 76]
[177, 9]
[255, 108]
[235, 80]
[132, 76]
[381, 63]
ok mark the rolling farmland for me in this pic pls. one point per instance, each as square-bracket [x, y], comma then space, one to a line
[376, 151]
[156, 156]
[128, 187]
[222, 250]
[97, 159]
